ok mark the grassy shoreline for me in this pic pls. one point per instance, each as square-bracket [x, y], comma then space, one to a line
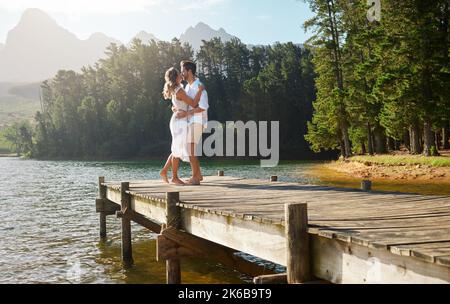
[8, 155]
[398, 173]
[390, 168]
[403, 160]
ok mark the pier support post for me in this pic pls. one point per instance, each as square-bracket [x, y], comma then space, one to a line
[274, 178]
[173, 216]
[102, 195]
[102, 225]
[366, 185]
[297, 243]
[127, 252]
[279, 278]
[220, 173]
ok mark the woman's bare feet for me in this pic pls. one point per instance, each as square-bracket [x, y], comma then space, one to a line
[194, 182]
[177, 181]
[163, 175]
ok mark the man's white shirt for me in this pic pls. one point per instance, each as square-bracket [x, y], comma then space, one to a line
[191, 91]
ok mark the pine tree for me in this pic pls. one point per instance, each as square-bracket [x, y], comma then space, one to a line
[327, 44]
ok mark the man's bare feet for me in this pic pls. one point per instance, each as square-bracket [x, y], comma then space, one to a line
[163, 175]
[177, 181]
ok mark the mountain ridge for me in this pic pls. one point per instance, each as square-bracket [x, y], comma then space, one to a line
[202, 31]
[37, 47]
[145, 37]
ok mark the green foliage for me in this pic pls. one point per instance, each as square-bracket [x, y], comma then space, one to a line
[5, 146]
[394, 73]
[327, 46]
[20, 135]
[115, 108]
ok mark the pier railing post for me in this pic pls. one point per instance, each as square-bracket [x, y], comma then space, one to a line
[173, 217]
[297, 243]
[127, 252]
[366, 185]
[220, 173]
[274, 178]
[102, 195]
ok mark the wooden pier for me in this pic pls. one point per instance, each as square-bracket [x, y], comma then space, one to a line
[319, 233]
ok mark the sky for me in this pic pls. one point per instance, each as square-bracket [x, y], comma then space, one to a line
[253, 21]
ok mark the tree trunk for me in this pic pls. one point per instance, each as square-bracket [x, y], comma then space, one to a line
[444, 47]
[370, 139]
[343, 124]
[342, 147]
[445, 131]
[429, 149]
[414, 139]
[390, 144]
[406, 139]
[363, 147]
[437, 140]
[345, 138]
[380, 140]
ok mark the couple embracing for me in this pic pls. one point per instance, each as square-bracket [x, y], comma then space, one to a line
[189, 119]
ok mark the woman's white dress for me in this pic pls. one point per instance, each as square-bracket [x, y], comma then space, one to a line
[179, 130]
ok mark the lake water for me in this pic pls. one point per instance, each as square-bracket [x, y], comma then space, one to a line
[49, 228]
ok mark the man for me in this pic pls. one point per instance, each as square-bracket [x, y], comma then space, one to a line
[197, 118]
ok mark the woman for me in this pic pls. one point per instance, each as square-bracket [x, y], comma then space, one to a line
[178, 123]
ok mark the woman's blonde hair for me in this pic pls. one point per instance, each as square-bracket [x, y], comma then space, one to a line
[171, 83]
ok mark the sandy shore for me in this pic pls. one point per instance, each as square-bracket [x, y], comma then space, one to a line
[389, 172]
[9, 155]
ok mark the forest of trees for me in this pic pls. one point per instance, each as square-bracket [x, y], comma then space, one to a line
[356, 87]
[380, 85]
[115, 109]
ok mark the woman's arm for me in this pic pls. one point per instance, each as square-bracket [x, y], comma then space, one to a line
[181, 95]
[181, 114]
[195, 111]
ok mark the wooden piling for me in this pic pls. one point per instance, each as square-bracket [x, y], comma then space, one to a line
[279, 278]
[127, 252]
[102, 195]
[173, 216]
[366, 185]
[274, 178]
[220, 173]
[297, 243]
[102, 225]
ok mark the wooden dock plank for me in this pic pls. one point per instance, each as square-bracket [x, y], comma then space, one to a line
[387, 238]
[443, 260]
[430, 255]
[406, 249]
[244, 213]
